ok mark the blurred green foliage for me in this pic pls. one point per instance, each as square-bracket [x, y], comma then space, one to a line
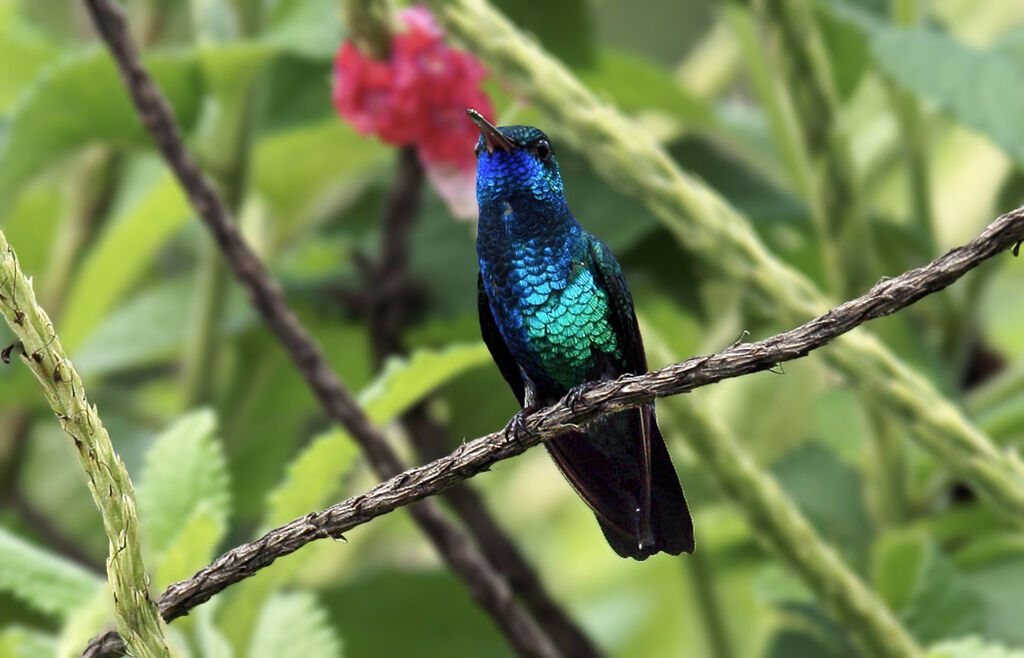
[928, 96]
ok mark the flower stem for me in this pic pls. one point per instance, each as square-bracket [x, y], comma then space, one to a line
[138, 619]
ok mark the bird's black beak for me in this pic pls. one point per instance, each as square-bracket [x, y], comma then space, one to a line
[493, 139]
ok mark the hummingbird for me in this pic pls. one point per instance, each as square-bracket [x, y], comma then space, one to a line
[555, 312]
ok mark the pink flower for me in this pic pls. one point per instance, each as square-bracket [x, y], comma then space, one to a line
[417, 97]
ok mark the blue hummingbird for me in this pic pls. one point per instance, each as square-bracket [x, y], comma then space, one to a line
[555, 312]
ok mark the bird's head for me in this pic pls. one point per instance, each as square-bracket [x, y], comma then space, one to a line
[516, 166]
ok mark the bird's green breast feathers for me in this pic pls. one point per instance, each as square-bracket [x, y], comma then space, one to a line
[570, 324]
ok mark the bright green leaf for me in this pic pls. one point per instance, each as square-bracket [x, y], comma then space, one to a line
[96, 613]
[48, 583]
[20, 42]
[117, 343]
[295, 171]
[312, 477]
[185, 474]
[315, 474]
[897, 566]
[31, 227]
[973, 647]
[405, 380]
[294, 624]
[82, 101]
[309, 28]
[123, 253]
[231, 67]
[192, 547]
[18, 642]
[212, 643]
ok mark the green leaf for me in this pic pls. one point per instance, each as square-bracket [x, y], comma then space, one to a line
[20, 42]
[999, 585]
[897, 566]
[635, 83]
[807, 632]
[982, 89]
[117, 344]
[48, 583]
[315, 474]
[564, 28]
[973, 647]
[924, 587]
[296, 171]
[81, 101]
[837, 510]
[18, 642]
[404, 381]
[420, 602]
[191, 548]
[124, 252]
[184, 493]
[848, 51]
[96, 613]
[309, 28]
[32, 223]
[212, 643]
[312, 477]
[294, 624]
[231, 67]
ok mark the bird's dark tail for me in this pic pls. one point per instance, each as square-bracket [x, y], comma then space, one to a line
[606, 465]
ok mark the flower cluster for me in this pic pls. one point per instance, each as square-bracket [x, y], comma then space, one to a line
[418, 97]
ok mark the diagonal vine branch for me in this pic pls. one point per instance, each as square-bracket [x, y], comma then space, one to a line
[1003, 483]
[487, 587]
[587, 402]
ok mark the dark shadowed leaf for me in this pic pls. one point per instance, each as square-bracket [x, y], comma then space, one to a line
[931, 596]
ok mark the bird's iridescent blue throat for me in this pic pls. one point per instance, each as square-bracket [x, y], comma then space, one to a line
[525, 180]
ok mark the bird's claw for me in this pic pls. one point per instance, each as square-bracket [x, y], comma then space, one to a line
[517, 426]
[574, 397]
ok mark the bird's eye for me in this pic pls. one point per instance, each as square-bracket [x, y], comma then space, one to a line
[543, 149]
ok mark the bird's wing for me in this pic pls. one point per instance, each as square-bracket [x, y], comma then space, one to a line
[609, 277]
[496, 344]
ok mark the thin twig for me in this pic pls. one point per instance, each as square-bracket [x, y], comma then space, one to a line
[488, 589]
[479, 455]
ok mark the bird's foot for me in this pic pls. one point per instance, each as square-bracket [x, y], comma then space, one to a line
[574, 397]
[517, 426]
